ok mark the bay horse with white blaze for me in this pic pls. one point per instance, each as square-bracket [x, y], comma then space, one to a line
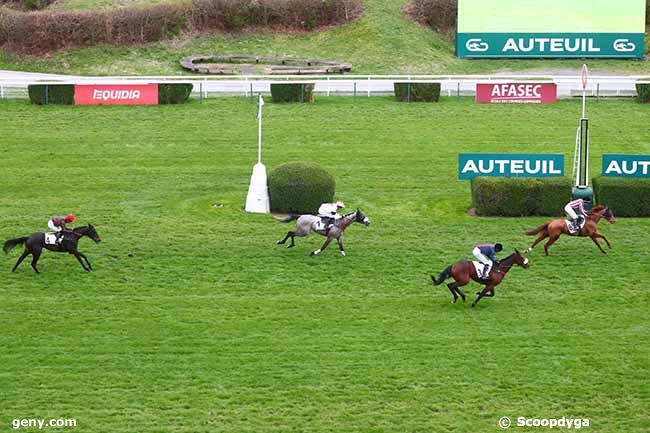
[35, 243]
[554, 228]
[306, 224]
[464, 271]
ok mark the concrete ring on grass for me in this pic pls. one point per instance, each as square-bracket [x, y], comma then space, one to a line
[237, 64]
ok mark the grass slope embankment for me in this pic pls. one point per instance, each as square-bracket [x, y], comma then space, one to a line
[382, 41]
[195, 321]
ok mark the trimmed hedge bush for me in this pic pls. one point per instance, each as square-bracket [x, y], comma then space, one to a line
[51, 94]
[626, 197]
[643, 91]
[499, 196]
[174, 93]
[292, 92]
[417, 92]
[300, 187]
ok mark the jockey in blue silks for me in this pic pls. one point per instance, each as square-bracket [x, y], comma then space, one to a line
[486, 254]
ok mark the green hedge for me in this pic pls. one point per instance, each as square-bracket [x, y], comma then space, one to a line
[643, 90]
[51, 94]
[292, 92]
[175, 93]
[417, 92]
[499, 196]
[626, 197]
[300, 187]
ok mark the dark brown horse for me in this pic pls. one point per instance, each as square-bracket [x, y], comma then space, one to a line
[463, 272]
[35, 243]
[555, 228]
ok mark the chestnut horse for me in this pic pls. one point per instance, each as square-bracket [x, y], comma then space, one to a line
[555, 228]
[463, 272]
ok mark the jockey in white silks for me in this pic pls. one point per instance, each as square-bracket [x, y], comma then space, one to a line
[575, 210]
[329, 213]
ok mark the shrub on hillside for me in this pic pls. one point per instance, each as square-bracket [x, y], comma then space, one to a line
[440, 15]
[292, 92]
[47, 31]
[626, 197]
[643, 92]
[417, 92]
[499, 196]
[300, 187]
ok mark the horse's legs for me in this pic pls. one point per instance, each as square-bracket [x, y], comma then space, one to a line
[21, 258]
[540, 238]
[460, 292]
[593, 238]
[281, 241]
[35, 256]
[318, 251]
[83, 256]
[76, 254]
[483, 293]
[598, 235]
[550, 242]
[452, 289]
[340, 242]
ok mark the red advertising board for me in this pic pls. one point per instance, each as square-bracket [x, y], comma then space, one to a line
[116, 94]
[516, 93]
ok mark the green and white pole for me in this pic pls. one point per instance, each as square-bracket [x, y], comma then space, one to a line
[257, 200]
[581, 156]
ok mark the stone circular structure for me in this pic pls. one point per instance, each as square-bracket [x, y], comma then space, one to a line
[237, 64]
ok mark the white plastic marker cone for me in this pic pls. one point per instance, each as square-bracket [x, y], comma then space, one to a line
[257, 200]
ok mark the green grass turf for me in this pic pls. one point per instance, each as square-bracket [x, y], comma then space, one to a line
[382, 41]
[195, 321]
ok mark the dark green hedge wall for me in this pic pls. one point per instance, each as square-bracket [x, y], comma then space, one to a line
[625, 197]
[492, 196]
[292, 92]
[417, 92]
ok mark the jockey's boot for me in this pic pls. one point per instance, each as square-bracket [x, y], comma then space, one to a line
[485, 272]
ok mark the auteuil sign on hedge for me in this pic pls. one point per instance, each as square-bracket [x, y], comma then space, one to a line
[626, 166]
[471, 165]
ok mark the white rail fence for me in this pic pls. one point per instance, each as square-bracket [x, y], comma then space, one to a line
[354, 85]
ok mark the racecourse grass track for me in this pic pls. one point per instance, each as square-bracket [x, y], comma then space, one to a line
[195, 321]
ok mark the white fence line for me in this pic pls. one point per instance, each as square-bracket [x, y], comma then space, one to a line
[452, 85]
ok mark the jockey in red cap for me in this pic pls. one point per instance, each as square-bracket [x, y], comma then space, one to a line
[58, 224]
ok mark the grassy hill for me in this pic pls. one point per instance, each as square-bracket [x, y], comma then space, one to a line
[195, 321]
[383, 41]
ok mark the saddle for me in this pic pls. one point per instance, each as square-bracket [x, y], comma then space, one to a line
[575, 228]
[478, 267]
[326, 224]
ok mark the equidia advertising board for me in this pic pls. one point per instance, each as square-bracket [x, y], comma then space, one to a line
[550, 28]
[516, 93]
[116, 94]
[471, 165]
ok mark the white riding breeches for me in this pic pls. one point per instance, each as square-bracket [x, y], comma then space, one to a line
[570, 212]
[480, 257]
[52, 227]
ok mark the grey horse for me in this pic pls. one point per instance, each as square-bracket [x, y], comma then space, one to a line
[310, 223]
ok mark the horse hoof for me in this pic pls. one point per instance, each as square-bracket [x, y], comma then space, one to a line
[279, 242]
[463, 299]
[291, 246]
[343, 253]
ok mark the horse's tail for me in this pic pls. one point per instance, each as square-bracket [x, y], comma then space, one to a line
[11, 243]
[443, 276]
[537, 230]
[289, 218]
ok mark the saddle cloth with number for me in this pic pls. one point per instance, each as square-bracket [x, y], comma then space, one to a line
[50, 238]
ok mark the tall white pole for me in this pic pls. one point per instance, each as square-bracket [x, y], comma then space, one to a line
[259, 129]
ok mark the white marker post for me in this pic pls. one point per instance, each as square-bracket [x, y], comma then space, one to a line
[257, 200]
[581, 155]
